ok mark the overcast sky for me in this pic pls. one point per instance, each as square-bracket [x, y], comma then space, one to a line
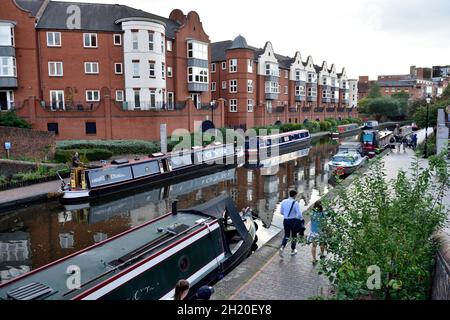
[368, 37]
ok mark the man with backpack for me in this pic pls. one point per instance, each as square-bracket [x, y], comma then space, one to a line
[293, 222]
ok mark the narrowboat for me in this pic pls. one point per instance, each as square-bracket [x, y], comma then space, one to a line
[375, 141]
[262, 147]
[87, 182]
[200, 245]
[345, 130]
[370, 125]
[346, 162]
[351, 146]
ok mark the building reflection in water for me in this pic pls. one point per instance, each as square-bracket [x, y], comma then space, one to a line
[34, 236]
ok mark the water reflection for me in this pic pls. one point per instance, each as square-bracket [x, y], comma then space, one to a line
[34, 236]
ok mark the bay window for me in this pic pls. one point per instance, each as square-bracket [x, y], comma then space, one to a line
[197, 74]
[272, 87]
[299, 90]
[272, 70]
[8, 67]
[6, 35]
[197, 50]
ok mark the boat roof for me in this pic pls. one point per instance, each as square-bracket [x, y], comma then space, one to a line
[283, 134]
[102, 257]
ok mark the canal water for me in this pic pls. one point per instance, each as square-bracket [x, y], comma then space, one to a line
[34, 236]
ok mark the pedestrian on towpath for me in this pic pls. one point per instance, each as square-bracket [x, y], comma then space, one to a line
[181, 290]
[76, 160]
[315, 236]
[293, 222]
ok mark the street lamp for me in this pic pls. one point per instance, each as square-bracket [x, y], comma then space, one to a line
[426, 126]
[212, 104]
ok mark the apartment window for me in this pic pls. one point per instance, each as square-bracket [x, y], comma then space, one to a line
[151, 46]
[311, 77]
[119, 95]
[91, 128]
[118, 68]
[286, 90]
[135, 40]
[135, 64]
[224, 65]
[6, 35]
[162, 43]
[163, 70]
[53, 39]
[213, 86]
[197, 74]
[250, 105]
[299, 90]
[137, 98]
[286, 74]
[233, 86]
[312, 92]
[55, 69]
[233, 105]
[196, 100]
[92, 95]
[213, 67]
[233, 65]
[197, 50]
[53, 127]
[90, 40]
[250, 65]
[151, 69]
[169, 45]
[56, 99]
[269, 105]
[117, 39]
[152, 98]
[91, 67]
[272, 69]
[170, 101]
[169, 72]
[224, 85]
[271, 87]
[250, 86]
[8, 67]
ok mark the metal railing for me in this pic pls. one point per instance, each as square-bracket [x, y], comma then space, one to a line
[70, 106]
[148, 106]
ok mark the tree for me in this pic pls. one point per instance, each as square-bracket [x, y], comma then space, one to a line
[446, 93]
[414, 106]
[362, 105]
[10, 119]
[375, 91]
[386, 227]
[384, 107]
[402, 98]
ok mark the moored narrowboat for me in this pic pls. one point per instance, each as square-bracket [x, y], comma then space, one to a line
[200, 245]
[92, 181]
[345, 130]
[262, 147]
[346, 162]
[375, 141]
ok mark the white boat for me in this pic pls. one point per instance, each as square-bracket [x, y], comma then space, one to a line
[346, 162]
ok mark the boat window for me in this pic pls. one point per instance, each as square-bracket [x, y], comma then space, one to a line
[181, 160]
[296, 136]
[367, 137]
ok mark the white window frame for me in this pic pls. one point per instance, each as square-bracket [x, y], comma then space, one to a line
[249, 65]
[121, 67]
[286, 74]
[286, 90]
[249, 105]
[250, 86]
[152, 69]
[10, 41]
[224, 65]
[151, 42]
[233, 105]
[233, 86]
[224, 85]
[233, 65]
[93, 93]
[213, 87]
[58, 92]
[117, 98]
[197, 50]
[169, 72]
[114, 39]
[10, 66]
[55, 63]
[91, 64]
[53, 38]
[170, 101]
[199, 101]
[272, 87]
[169, 46]
[198, 75]
[163, 70]
[213, 67]
[133, 65]
[90, 35]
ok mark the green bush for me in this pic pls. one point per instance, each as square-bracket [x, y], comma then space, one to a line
[117, 147]
[325, 126]
[11, 119]
[86, 155]
[313, 126]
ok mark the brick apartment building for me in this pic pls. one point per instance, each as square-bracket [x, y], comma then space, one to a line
[418, 83]
[261, 87]
[106, 71]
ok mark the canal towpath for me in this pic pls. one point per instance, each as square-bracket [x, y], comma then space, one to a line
[264, 276]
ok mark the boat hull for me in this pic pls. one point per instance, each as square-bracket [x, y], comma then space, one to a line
[257, 155]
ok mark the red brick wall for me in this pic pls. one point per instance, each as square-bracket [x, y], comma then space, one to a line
[27, 143]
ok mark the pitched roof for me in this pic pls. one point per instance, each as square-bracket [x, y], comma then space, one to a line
[94, 16]
[30, 5]
[218, 50]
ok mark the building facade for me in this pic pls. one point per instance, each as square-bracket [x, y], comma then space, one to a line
[261, 87]
[104, 71]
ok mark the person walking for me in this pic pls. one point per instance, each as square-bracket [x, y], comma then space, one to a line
[404, 143]
[314, 236]
[76, 160]
[293, 222]
[414, 141]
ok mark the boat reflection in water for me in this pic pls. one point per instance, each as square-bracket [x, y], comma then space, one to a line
[55, 231]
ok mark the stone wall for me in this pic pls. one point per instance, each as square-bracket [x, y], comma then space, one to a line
[26, 143]
[11, 167]
[441, 280]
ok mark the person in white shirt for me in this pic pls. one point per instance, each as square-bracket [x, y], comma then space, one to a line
[293, 220]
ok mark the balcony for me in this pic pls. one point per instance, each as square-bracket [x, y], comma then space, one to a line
[334, 100]
[300, 98]
[198, 87]
[272, 96]
[151, 106]
[8, 82]
[279, 109]
[78, 106]
[311, 98]
[331, 109]
[318, 109]
[326, 100]
[293, 109]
